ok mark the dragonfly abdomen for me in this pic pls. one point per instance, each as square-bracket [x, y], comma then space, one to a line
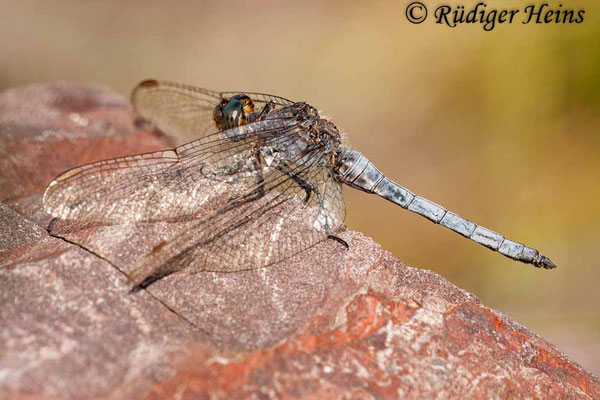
[355, 170]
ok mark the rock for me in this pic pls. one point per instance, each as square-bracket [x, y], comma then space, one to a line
[328, 323]
[47, 129]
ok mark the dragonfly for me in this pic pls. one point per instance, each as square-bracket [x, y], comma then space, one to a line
[261, 182]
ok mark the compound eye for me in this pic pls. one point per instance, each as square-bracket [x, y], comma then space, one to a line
[247, 104]
[232, 112]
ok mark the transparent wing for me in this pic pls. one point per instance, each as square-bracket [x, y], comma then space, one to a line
[171, 185]
[255, 230]
[185, 111]
[261, 98]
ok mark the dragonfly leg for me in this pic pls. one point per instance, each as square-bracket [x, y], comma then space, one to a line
[309, 187]
[304, 183]
[339, 240]
[253, 117]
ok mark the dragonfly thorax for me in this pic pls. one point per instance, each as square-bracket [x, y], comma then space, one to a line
[325, 133]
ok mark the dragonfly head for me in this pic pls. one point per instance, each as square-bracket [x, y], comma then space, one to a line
[233, 112]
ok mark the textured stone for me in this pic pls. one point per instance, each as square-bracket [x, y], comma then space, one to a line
[328, 323]
[45, 129]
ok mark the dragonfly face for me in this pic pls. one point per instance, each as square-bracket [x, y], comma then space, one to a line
[262, 182]
[234, 112]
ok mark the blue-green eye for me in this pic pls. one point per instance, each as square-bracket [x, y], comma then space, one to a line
[232, 112]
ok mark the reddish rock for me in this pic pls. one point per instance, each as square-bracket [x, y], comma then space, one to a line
[45, 129]
[328, 323]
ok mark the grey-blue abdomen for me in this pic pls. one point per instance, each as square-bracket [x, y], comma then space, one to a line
[355, 170]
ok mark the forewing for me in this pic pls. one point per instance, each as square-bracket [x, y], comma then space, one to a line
[185, 111]
[247, 234]
[182, 111]
[186, 182]
[260, 99]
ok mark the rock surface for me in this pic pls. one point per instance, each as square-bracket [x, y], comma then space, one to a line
[328, 323]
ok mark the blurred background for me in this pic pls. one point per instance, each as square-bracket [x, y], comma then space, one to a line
[502, 127]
